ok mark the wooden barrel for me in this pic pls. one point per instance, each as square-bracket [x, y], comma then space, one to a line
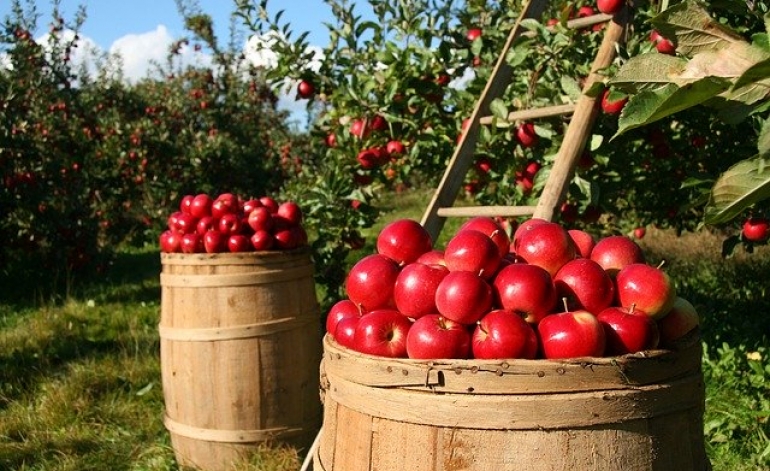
[240, 343]
[639, 412]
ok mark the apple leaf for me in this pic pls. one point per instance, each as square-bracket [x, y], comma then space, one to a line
[648, 71]
[742, 185]
[760, 71]
[763, 141]
[498, 109]
[693, 28]
[651, 105]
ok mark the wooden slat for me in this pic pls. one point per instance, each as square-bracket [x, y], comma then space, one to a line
[488, 211]
[581, 123]
[462, 158]
[534, 113]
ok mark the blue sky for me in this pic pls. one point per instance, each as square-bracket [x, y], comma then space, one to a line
[141, 31]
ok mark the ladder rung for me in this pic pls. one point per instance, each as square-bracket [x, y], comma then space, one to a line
[579, 23]
[489, 211]
[534, 113]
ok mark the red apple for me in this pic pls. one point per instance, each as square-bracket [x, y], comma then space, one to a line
[191, 243]
[230, 224]
[214, 241]
[182, 223]
[291, 212]
[612, 107]
[527, 290]
[248, 206]
[648, 288]
[340, 310]
[502, 334]
[526, 135]
[269, 203]
[201, 205]
[473, 34]
[585, 11]
[285, 239]
[432, 257]
[615, 252]
[382, 332]
[492, 229]
[403, 241]
[394, 148]
[463, 297]
[584, 285]
[345, 332]
[547, 245]
[305, 89]
[170, 241]
[261, 219]
[359, 128]
[433, 337]
[662, 44]
[370, 282]
[415, 290]
[186, 203]
[640, 232]
[756, 229]
[472, 251]
[205, 224]
[226, 203]
[521, 229]
[584, 242]
[238, 243]
[628, 330]
[571, 334]
[609, 7]
[681, 319]
[262, 240]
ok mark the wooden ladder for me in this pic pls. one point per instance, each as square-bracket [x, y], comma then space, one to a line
[583, 112]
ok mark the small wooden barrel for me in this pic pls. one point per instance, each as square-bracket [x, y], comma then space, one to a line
[640, 412]
[240, 344]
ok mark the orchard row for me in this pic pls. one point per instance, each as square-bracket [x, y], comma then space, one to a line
[544, 292]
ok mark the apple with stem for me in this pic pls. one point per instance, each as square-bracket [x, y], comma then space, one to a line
[628, 330]
[434, 337]
[584, 285]
[473, 251]
[571, 334]
[648, 288]
[492, 229]
[502, 334]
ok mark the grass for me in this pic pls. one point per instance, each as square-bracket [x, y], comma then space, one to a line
[80, 374]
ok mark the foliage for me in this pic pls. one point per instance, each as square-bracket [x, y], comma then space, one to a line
[415, 66]
[90, 161]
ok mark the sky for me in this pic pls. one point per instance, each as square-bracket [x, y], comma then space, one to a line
[142, 30]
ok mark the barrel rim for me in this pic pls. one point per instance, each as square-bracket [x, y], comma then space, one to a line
[512, 375]
[172, 258]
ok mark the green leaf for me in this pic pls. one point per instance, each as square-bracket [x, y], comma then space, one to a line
[763, 142]
[648, 71]
[498, 108]
[741, 186]
[757, 72]
[651, 105]
[571, 87]
[694, 28]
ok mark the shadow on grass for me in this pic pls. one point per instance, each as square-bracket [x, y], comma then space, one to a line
[127, 277]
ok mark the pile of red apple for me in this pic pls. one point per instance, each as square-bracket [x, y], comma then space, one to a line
[544, 292]
[229, 223]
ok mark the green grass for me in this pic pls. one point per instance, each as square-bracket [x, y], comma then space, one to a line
[80, 374]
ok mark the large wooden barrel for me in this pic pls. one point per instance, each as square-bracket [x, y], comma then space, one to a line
[240, 344]
[639, 412]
